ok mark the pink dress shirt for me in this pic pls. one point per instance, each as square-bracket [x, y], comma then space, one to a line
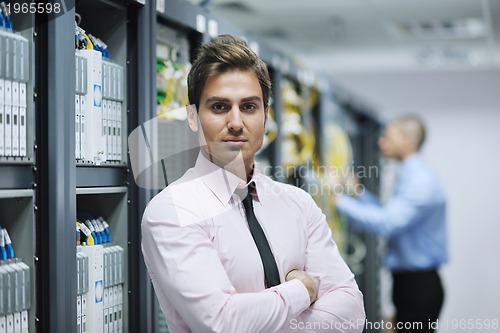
[206, 269]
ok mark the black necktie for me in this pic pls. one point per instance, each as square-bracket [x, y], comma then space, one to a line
[271, 273]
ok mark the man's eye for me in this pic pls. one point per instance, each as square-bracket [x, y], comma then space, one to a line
[218, 107]
[249, 107]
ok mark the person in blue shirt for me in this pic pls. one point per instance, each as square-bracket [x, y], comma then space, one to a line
[414, 222]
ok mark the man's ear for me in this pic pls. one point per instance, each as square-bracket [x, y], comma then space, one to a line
[266, 114]
[192, 117]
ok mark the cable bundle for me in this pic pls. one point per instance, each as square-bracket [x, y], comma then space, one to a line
[5, 21]
[91, 230]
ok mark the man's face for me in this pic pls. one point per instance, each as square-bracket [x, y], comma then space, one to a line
[392, 141]
[232, 117]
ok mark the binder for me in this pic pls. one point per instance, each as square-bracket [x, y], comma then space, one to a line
[15, 130]
[119, 83]
[84, 65]
[115, 309]
[7, 46]
[14, 48]
[115, 130]
[8, 291]
[16, 297]
[120, 318]
[2, 117]
[78, 324]
[24, 322]
[78, 154]
[83, 288]
[9, 294]
[105, 303]
[85, 279]
[94, 151]
[79, 278]
[22, 120]
[10, 323]
[120, 131]
[2, 61]
[112, 264]
[15, 118]
[111, 80]
[23, 53]
[78, 88]
[17, 322]
[106, 325]
[23, 285]
[83, 128]
[79, 313]
[8, 117]
[104, 128]
[94, 306]
[109, 134]
[84, 313]
[105, 79]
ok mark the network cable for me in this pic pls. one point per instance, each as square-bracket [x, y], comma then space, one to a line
[8, 244]
[6, 16]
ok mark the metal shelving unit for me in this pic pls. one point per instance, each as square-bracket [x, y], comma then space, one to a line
[18, 173]
[41, 193]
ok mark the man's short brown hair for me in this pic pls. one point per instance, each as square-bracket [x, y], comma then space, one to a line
[223, 54]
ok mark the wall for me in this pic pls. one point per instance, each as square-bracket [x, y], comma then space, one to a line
[462, 110]
[463, 149]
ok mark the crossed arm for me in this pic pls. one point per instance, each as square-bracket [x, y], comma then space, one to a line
[188, 275]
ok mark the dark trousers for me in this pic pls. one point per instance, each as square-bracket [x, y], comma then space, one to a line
[418, 298]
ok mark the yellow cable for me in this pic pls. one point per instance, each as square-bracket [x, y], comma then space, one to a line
[90, 45]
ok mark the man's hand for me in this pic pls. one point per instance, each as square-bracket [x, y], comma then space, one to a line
[352, 186]
[303, 277]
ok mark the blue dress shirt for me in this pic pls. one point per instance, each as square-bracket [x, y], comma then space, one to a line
[414, 219]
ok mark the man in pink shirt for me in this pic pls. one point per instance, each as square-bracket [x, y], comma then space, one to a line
[227, 248]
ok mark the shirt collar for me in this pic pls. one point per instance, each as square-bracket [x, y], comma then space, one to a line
[410, 163]
[221, 182]
[412, 159]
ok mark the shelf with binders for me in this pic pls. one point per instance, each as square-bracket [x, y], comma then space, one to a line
[17, 260]
[101, 106]
[17, 113]
[102, 301]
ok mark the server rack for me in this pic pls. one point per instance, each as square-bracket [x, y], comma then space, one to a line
[18, 165]
[43, 191]
[66, 184]
[364, 129]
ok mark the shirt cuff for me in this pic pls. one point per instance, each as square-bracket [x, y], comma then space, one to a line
[295, 296]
